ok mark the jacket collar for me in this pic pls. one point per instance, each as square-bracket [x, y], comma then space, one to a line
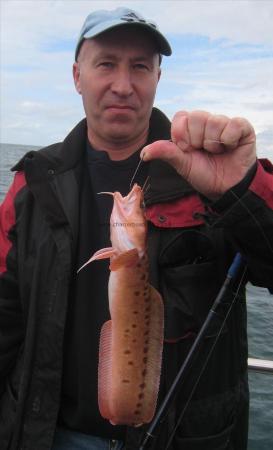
[62, 156]
[165, 183]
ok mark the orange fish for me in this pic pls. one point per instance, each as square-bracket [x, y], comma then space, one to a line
[131, 342]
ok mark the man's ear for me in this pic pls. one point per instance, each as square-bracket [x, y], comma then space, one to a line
[76, 76]
[159, 74]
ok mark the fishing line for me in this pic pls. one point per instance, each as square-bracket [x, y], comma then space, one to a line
[254, 220]
[206, 361]
[146, 186]
[239, 200]
[135, 172]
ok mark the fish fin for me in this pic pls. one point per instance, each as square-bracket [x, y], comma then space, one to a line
[103, 253]
[127, 259]
[156, 297]
[104, 371]
[154, 354]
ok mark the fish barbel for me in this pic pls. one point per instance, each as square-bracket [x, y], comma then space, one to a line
[131, 342]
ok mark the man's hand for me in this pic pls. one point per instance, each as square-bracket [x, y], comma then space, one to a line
[212, 152]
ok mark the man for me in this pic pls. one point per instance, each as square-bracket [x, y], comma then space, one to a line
[208, 199]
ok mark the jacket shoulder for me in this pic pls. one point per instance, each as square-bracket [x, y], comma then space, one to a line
[55, 152]
[46, 151]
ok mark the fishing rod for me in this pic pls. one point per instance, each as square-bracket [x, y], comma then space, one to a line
[153, 429]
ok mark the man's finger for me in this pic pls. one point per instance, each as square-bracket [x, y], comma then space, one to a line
[213, 131]
[165, 150]
[179, 129]
[168, 151]
[197, 121]
[237, 131]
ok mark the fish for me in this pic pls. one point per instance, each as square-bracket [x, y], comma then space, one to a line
[131, 342]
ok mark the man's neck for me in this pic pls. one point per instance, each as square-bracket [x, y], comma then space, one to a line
[118, 151]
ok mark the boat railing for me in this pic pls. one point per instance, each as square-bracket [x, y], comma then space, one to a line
[260, 365]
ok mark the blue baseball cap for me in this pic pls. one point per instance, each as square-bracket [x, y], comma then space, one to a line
[101, 21]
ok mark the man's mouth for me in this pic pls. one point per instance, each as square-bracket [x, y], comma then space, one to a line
[121, 107]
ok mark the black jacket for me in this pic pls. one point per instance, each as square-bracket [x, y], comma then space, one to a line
[190, 245]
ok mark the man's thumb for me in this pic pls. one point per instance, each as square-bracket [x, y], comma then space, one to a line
[165, 150]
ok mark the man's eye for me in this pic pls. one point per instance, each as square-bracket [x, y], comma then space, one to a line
[106, 64]
[140, 66]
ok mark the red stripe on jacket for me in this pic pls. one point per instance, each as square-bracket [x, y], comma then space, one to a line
[184, 212]
[262, 184]
[7, 217]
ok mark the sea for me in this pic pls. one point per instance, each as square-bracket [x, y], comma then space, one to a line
[260, 328]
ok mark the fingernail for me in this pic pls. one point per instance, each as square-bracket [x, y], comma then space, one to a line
[143, 153]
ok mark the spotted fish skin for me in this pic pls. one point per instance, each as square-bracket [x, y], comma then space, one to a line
[131, 381]
[131, 343]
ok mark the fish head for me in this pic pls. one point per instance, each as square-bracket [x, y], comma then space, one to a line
[128, 223]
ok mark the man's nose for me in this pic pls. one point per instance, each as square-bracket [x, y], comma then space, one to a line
[122, 84]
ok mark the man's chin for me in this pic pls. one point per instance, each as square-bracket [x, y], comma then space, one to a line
[121, 132]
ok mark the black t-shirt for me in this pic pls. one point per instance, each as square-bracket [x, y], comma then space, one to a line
[88, 305]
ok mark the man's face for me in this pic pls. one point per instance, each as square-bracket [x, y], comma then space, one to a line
[117, 75]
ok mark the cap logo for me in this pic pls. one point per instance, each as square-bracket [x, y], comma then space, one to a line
[132, 17]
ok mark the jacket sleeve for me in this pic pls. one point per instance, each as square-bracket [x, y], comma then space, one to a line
[11, 323]
[249, 224]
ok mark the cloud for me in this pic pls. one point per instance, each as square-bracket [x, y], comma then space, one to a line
[235, 20]
[222, 62]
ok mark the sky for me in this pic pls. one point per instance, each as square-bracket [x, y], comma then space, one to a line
[222, 62]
